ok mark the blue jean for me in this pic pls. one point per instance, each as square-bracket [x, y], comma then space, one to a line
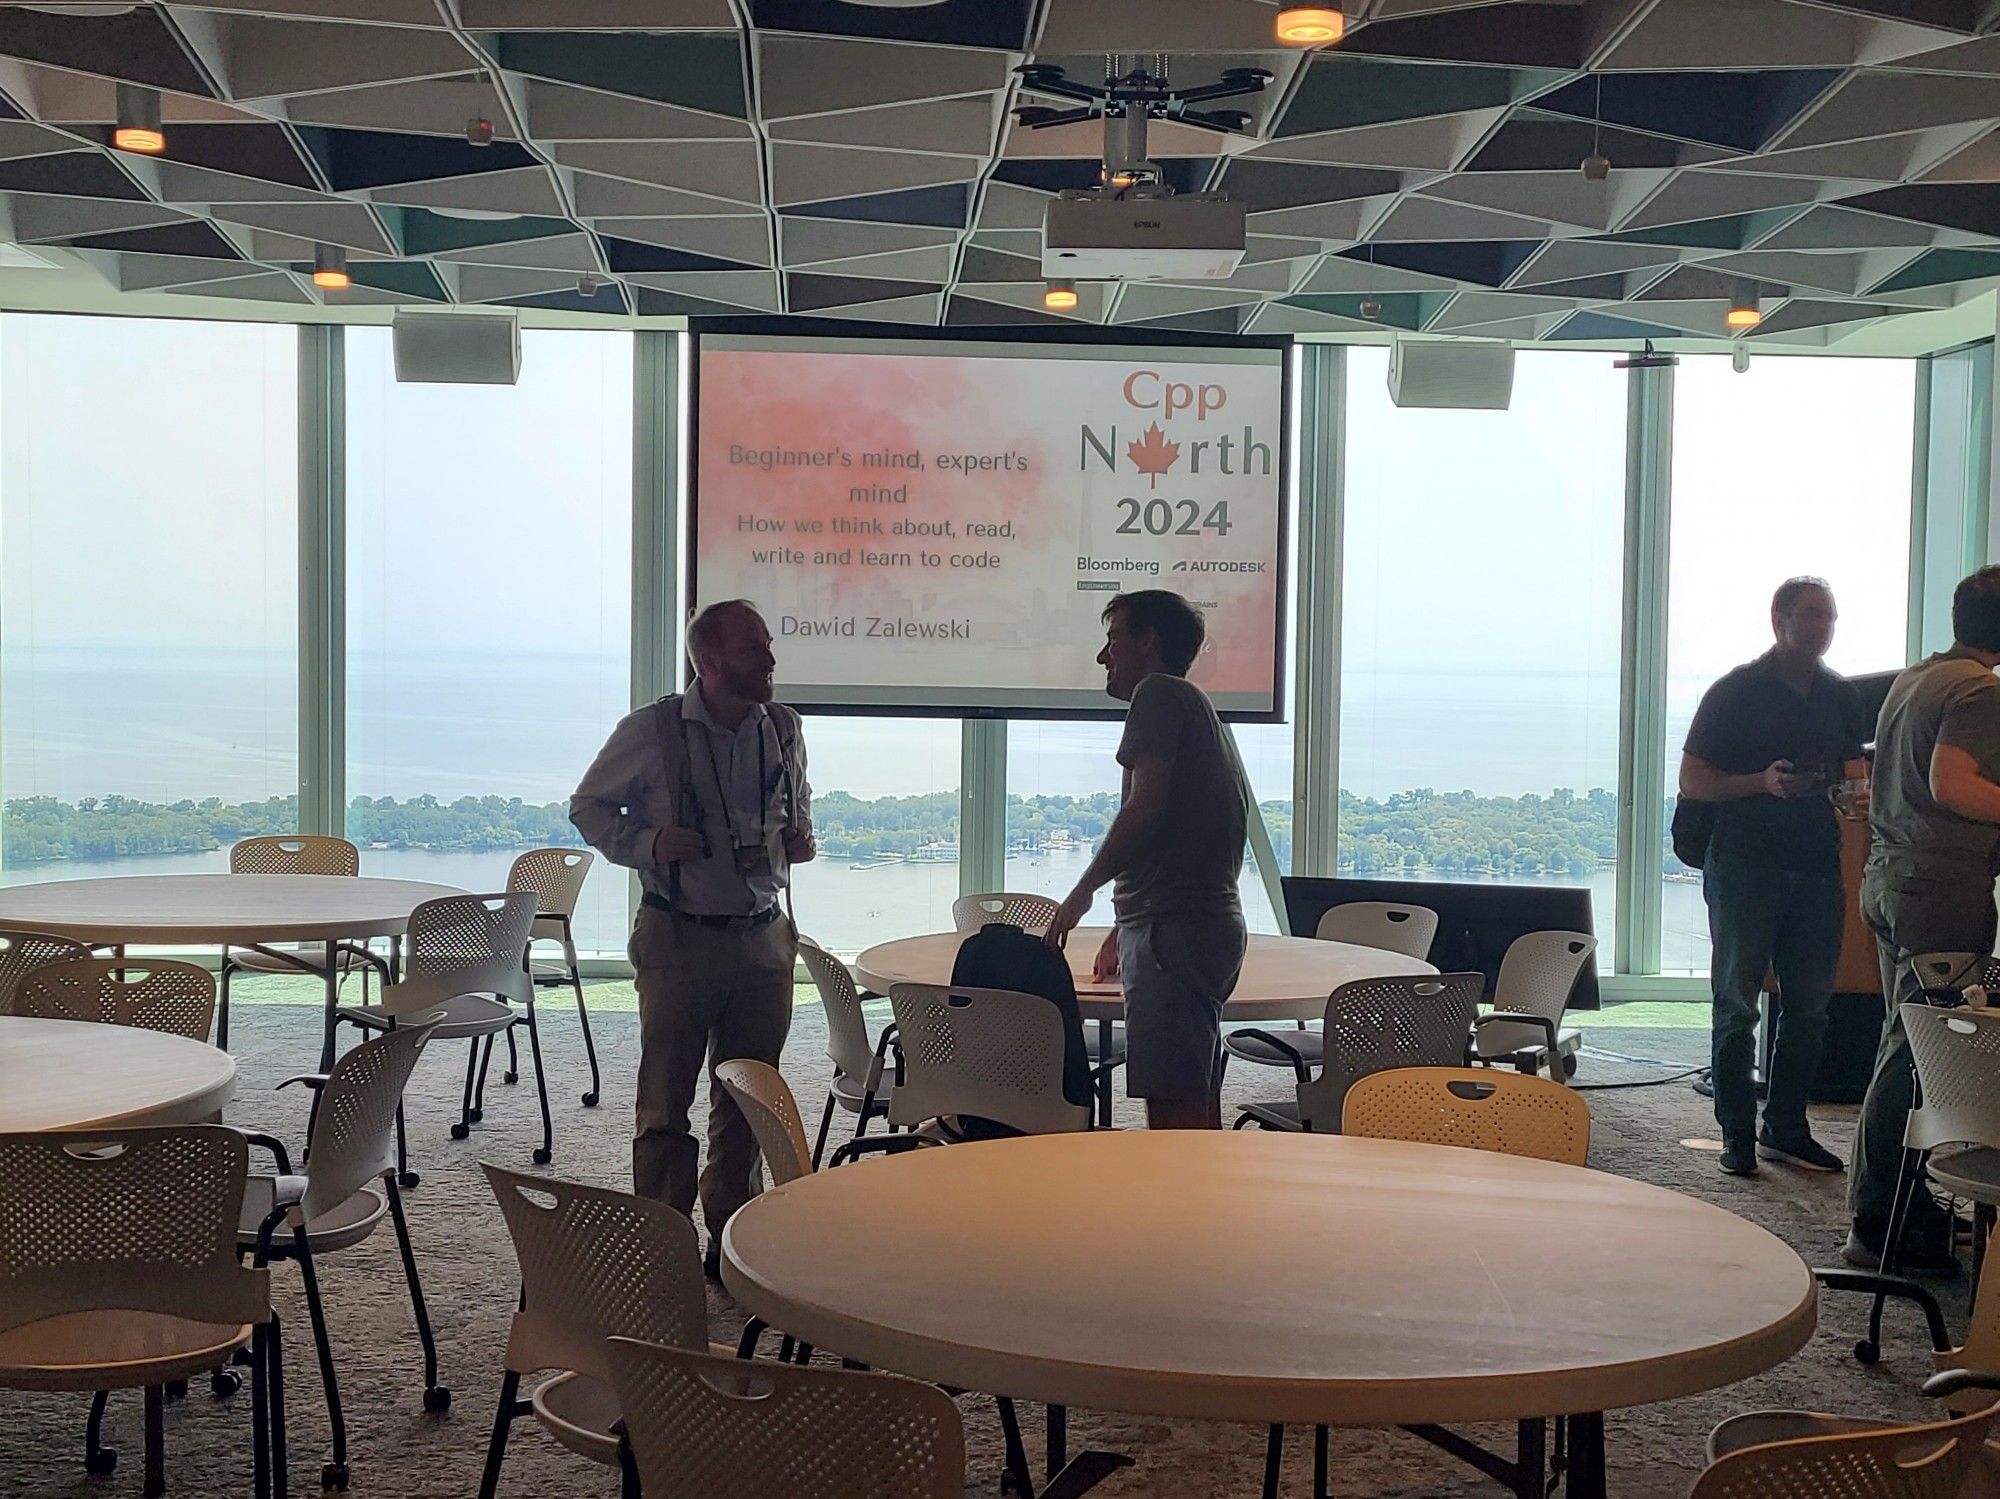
[1789, 922]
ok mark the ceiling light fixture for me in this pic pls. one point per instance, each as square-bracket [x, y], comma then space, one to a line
[1597, 166]
[589, 284]
[479, 131]
[1745, 311]
[1060, 296]
[138, 126]
[330, 268]
[1371, 308]
[1311, 25]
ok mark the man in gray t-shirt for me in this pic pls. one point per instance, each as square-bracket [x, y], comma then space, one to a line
[1935, 849]
[1172, 856]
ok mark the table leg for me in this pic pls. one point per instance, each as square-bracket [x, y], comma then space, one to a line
[1586, 1456]
[1058, 1439]
[332, 1003]
[1104, 1040]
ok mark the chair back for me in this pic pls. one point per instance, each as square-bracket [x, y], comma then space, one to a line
[847, 1042]
[1373, 1025]
[596, 1264]
[1031, 913]
[22, 951]
[294, 853]
[131, 1220]
[1478, 1108]
[353, 1140]
[766, 1100]
[1948, 970]
[1957, 1054]
[990, 1053]
[465, 944]
[1379, 923]
[1537, 977]
[153, 994]
[1930, 1461]
[701, 1425]
[554, 875]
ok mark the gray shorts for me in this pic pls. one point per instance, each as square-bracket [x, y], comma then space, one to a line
[1177, 973]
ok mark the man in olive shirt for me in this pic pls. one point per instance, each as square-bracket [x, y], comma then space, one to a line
[1928, 887]
[1173, 853]
[1767, 743]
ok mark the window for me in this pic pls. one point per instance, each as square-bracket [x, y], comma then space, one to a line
[488, 610]
[1797, 466]
[1480, 625]
[886, 813]
[149, 628]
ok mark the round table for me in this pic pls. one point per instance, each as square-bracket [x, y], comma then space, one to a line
[239, 910]
[73, 1074]
[1283, 978]
[1268, 1278]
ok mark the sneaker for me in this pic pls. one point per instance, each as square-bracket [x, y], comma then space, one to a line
[1804, 1152]
[1739, 1158]
[1923, 1257]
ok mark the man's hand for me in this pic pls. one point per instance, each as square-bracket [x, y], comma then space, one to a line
[1105, 968]
[800, 845]
[1786, 784]
[673, 844]
[1075, 906]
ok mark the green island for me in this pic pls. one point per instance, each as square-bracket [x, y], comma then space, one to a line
[1448, 833]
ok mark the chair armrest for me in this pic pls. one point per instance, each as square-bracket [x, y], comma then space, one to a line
[1514, 1017]
[271, 1143]
[1950, 1381]
[1896, 1288]
[1291, 1052]
[854, 1148]
[313, 1080]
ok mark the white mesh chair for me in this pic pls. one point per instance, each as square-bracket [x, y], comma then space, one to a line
[1373, 1025]
[1524, 1028]
[595, 1264]
[119, 1271]
[989, 1054]
[293, 853]
[1785, 1454]
[697, 1426]
[766, 1100]
[24, 951]
[346, 1189]
[155, 994]
[556, 877]
[1031, 913]
[467, 966]
[858, 1085]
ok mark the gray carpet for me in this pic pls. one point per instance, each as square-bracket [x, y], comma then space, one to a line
[469, 1277]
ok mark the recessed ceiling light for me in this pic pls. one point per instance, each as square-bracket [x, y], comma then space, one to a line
[138, 127]
[1311, 25]
[330, 268]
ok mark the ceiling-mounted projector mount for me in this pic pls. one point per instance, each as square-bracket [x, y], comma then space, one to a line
[1133, 90]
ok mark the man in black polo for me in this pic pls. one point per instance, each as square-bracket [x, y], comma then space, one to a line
[1768, 743]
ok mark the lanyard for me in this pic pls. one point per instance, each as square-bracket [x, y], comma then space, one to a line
[737, 836]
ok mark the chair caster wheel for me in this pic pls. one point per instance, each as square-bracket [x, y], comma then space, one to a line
[543, 1155]
[477, 1115]
[102, 1462]
[224, 1382]
[334, 1476]
[1867, 1351]
[590, 1100]
[174, 1391]
[407, 1179]
[510, 1077]
[1569, 1067]
[460, 1131]
[437, 1400]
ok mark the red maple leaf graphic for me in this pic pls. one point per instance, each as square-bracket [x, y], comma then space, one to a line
[1152, 455]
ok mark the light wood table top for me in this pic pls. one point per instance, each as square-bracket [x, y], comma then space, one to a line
[76, 1074]
[1283, 978]
[1301, 1279]
[217, 908]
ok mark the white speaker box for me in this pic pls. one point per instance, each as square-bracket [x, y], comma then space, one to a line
[457, 348]
[1458, 376]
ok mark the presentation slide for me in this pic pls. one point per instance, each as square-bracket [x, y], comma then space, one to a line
[937, 526]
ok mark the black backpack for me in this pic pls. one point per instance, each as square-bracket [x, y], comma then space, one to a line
[1000, 956]
[1693, 827]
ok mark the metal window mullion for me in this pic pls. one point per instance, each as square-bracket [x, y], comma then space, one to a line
[1322, 523]
[1642, 676]
[322, 580]
[1921, 511]
[656, 521]
[982, 805]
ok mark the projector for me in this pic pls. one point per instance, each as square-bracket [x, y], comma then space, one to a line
[1186, 238]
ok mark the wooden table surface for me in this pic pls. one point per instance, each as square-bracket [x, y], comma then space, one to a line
[76, 1074]
[1302, 1279]
[1284, 978]
[217, 908]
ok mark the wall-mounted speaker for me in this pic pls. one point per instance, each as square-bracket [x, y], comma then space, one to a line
[458, 348]
[1458, 376]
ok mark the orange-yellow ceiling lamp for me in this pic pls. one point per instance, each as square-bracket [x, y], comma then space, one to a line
[330, 268]
[138, 128]
[1060, 297]
[1745, 310]
[1311, 25]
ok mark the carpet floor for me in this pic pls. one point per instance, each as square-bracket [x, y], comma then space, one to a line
[470, 1280]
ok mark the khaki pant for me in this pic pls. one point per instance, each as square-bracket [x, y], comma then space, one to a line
[706, 995]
